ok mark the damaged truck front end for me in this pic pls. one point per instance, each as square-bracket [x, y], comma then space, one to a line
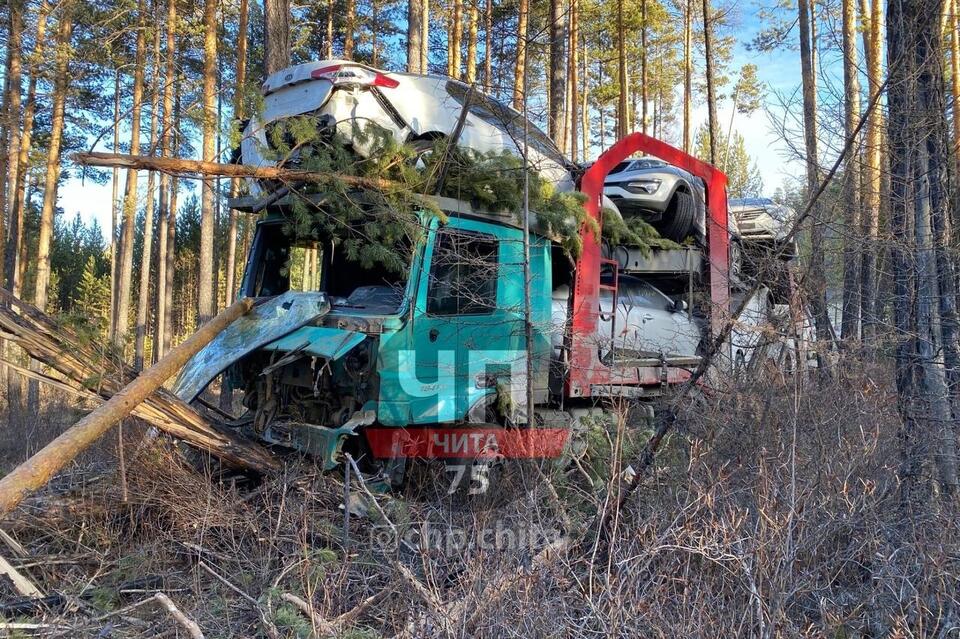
[306, 356]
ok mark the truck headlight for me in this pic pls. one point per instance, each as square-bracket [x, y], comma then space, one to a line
[648, 187]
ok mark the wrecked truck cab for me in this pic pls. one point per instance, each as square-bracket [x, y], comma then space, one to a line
[334, 345]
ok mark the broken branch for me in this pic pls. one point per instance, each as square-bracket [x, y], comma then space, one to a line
[37, 471]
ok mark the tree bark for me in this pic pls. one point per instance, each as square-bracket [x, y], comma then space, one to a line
[114, 206]
[41, 467]
[872, 169]
[328, 43]
[817, 287]
[470, 64]
[456, 40]
[488, 46]
[520, 69]
[61, 83]
[414, 31]
[14, 265]
[711, 95]
[163, 247]
[850, 318]
[276, 17]
[206, 301]
[643, 66]
[349, 27]
[425, 38]
[143, 296]
[623, 118]
[572, 73]
[556, 73]
[125, 277]
[13, 104]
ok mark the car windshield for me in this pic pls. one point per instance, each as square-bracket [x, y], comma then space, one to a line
[279, 263]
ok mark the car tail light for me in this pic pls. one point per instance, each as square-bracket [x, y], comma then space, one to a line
[354, 74]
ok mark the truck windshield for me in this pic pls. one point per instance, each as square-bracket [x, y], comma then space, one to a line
[278, 263]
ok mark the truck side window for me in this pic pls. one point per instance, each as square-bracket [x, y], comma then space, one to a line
[463, 274]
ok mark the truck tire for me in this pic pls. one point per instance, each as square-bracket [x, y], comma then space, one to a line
[677, 220]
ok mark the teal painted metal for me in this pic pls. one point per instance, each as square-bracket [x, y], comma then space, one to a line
[435, 368]
[319, 341]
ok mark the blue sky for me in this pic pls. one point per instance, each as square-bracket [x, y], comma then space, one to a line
[779, 71]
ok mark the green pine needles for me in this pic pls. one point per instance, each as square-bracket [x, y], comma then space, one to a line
[377, 219]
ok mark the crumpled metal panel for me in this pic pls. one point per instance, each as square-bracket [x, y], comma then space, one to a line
[264, 324]
[319, 341]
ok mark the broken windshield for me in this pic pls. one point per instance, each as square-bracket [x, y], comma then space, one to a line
[279, 263]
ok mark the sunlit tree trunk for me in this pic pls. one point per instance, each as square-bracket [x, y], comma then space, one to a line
[687, 74]
[276, 17]
[61, 84]
[643, 66]
[114, 206]
[414, 31]
[425, 38]
[473, 20]
[623, 114]
[164, 249]
[206, 301]
[850, 319]
[572, 73]
[143, 300]
[520, 69]
[328, 43]
[556, 74]
[14, 265]
[456, 40]
[125, 273]
[349, 29]
[13, 104]
[873, 20]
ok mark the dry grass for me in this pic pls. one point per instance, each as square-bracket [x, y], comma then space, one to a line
[773, 511]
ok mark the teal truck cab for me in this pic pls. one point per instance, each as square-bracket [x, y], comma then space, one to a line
[336, 350]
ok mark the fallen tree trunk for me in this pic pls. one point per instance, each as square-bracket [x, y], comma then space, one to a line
[41, 467]
[199, 169]
[94, 374]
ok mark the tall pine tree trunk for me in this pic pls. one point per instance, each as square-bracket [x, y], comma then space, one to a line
[425, 38]
[414, 31]
[125, 274]
[850, 319]
[114, 206]
[488, 46]
[349, 29]
[456, 40]
[470, 64]
[328, 42]
[14, 104]
[61, 83]
[643, 66]
[520, 69]
[206, 301]
[143, 299]
[165, 249]
[817, 289]
[14, 265]
[872, 168]
[238, 115]
[556, 73]
[711, 93]
[276, 18]
[572, 72]
[623, 118]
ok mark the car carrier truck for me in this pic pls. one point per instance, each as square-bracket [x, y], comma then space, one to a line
[335, 355]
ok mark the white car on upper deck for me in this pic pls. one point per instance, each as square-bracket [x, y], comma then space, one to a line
[416, 109]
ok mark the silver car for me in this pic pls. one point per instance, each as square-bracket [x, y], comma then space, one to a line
[648, 323]
[760, 220]
[671, 199]
[417, 109]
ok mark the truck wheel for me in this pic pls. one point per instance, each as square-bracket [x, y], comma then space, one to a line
[678, 218]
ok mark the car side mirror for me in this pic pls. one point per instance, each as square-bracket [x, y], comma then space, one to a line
[678, 306]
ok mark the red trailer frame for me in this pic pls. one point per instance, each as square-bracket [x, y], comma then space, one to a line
[586, 369]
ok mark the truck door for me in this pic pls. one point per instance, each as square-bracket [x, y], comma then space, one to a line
[467, 329]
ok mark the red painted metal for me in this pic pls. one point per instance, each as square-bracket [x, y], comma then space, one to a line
[586, 369]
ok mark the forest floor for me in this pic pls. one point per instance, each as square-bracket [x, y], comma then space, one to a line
[773, 510]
